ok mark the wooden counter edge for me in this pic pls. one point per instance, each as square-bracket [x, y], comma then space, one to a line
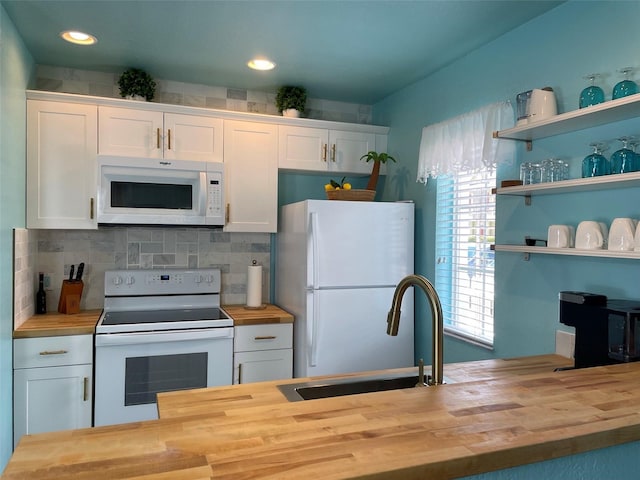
[269, 314]
[59, 324]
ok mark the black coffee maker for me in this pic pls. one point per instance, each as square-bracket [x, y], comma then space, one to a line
[607, 331]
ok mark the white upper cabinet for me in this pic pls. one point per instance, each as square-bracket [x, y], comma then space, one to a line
[150, 134]
[303, 148]
[251, 176]
[61, 165]
[345, 150]
[325, 150]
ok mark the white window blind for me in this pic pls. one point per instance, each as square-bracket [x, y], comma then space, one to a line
[465, 230]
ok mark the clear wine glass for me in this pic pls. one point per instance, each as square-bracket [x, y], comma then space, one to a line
[625, 87]
[595, 164]
[623, 160]
[592, 95]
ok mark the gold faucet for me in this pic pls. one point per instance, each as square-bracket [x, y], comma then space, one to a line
[393, 320]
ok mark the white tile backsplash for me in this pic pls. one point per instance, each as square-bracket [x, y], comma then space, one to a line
[87, 82]
[109, 248]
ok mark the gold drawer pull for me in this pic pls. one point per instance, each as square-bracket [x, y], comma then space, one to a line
[54, 352]
[158, 138]
[265, 337]
[169, 134]
[333, 152]
[91, 208]
[324, 152]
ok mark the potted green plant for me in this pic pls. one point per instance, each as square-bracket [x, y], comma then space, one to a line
[291, 100]
[377, 159]
[136, 84]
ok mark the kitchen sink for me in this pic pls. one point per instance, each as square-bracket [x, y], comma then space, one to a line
[348, 386]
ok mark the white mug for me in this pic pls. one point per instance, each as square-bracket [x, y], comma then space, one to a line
[636, 241]
[621, 234]
[589, 235]
[560, 236]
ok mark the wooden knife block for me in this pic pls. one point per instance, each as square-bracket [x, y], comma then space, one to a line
[70, 296]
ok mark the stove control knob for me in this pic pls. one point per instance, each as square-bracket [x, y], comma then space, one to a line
[198, 278]
[117, 280]
[130, 281]
[209, 279]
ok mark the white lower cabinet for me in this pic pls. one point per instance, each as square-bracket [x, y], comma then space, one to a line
[262, 353]
[52, 380]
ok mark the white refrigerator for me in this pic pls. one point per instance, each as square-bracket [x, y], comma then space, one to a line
[337, 265]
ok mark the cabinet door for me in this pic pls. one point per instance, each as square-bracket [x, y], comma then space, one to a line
[127, 132]
[51, 398]
[61, 165]
[191, 137]
[251, 176]
[262, 366]
[302, 148]
[346, 148]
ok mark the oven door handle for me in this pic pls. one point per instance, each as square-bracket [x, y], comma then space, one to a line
[136, 338]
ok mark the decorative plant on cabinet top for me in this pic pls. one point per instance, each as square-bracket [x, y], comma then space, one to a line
[135, 82]
[377, 159]
[291, 100]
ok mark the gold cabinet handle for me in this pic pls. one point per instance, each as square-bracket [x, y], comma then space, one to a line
[169, 141]
[91, 204]
[226, 213]
[324, 152]
[158, 138]
[265, 337]
[333, 152]
[85, 389]
[239, 373]
[54, 352]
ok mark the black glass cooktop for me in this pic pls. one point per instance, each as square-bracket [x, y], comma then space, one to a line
[160, 316]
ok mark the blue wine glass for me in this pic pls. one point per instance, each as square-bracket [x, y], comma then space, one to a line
[592, 95]
[595, 164]
[623, 160]
[625, 87]
[633, 145]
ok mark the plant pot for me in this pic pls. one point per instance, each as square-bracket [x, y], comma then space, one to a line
[139, 98]
[291, 112]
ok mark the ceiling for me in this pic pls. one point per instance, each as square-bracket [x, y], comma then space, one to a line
[356, 51]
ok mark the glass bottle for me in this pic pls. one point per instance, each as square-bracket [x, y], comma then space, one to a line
[41, 296]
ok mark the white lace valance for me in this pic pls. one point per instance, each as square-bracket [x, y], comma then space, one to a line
[466, 143]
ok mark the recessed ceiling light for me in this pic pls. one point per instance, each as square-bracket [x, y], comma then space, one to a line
[79, 38]
[261, 64]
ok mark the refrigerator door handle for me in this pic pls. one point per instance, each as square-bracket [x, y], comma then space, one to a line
[312, 279]
[312, 330]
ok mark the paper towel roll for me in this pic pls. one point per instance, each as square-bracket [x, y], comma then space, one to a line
[254, 286]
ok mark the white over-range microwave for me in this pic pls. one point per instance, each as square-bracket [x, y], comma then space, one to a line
[143, 191]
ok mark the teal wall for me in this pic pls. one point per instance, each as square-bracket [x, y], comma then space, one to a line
[16, 68]
[557, 50]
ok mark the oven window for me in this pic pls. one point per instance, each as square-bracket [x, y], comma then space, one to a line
[151, 195]
[146, 376]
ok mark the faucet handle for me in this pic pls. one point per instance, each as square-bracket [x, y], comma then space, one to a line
[421, 382]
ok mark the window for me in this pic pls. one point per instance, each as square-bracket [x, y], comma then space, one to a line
[465, 230]
[462, 155]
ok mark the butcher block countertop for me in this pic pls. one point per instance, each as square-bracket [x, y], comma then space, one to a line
[55, 324]
[499, 414]
[248, 316]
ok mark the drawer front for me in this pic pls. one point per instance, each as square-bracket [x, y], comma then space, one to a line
[250, 338]
[52, 351]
